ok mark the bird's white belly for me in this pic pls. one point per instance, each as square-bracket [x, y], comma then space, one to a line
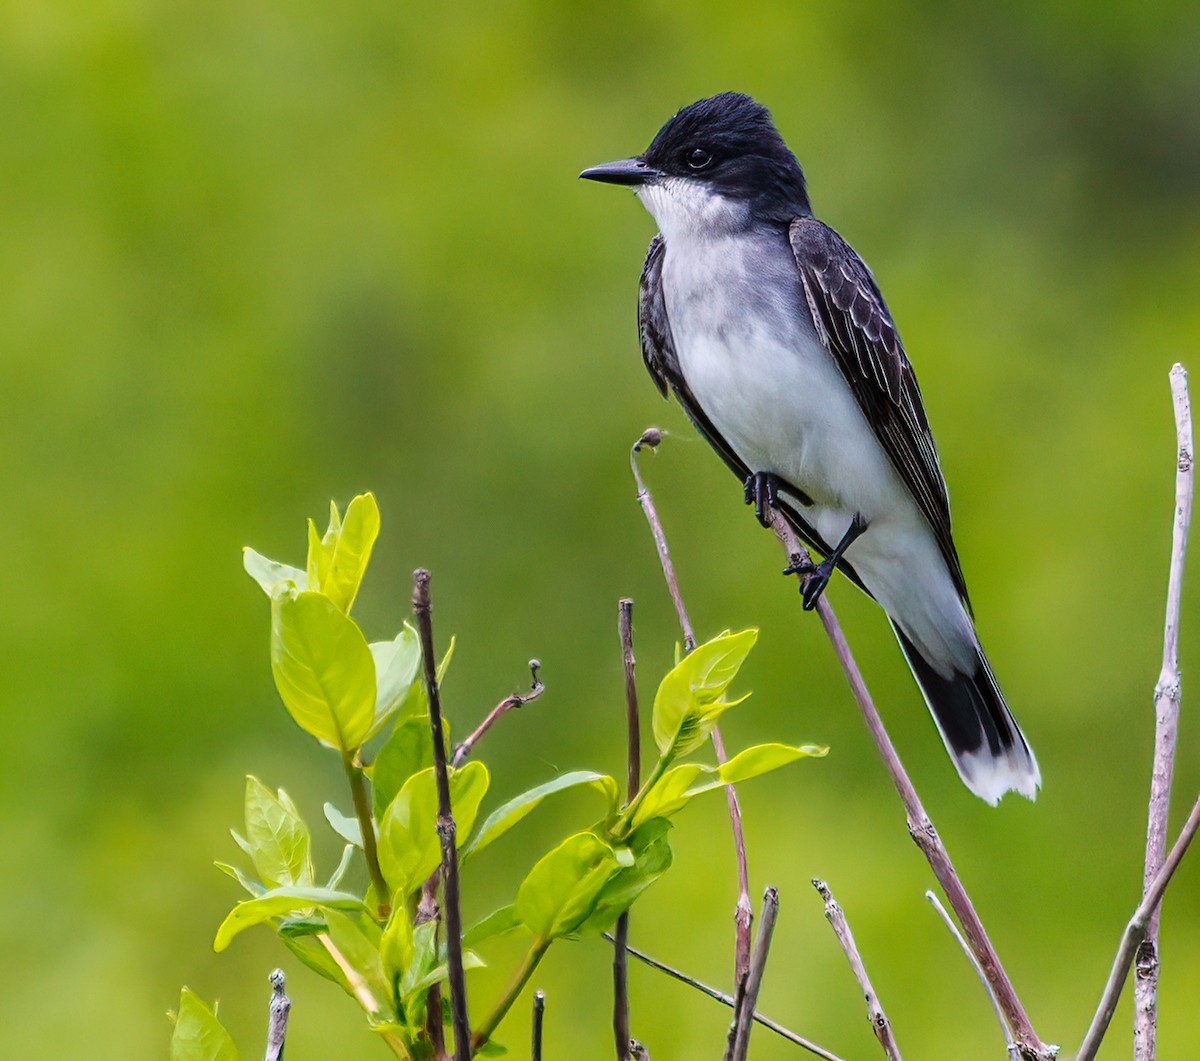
[757, 369]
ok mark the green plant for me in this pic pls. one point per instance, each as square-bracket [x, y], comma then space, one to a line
[386, 947]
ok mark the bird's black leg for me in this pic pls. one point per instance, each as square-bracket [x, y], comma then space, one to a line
[762, 491]
[820, 574]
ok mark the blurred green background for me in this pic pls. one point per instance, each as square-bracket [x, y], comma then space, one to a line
[259, 256]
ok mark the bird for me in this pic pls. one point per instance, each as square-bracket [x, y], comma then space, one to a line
[772, 334]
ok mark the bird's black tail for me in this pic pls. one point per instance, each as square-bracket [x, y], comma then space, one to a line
[983, 739]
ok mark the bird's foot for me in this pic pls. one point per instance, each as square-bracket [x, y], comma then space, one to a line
[762, 491]
[813, 579]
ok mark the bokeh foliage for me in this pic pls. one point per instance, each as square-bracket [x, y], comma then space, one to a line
[258, 257]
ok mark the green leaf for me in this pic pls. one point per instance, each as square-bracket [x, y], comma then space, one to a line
[651, 859]
[270, 574]
[560, 892]
[346, 827]
[688, 702]
[424, 958]
[505, 817]
[396, 947]
[396, 666]
[323, 669]
[198, 1035]
[497, 923]
[759, 759]
[407, 750]
[439, 973]
[278, 837]
[359, 942]
[252, 886]
[346, 549]
[409, 847]
[342, 867]
[276, 903]
[669, 794]
[313, 954]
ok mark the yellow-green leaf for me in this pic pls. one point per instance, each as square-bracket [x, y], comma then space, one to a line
[409, 846]
[688, 700]
[277, 837]
[277, 903]
[561, 890]
[198, 1035]
[323, 669]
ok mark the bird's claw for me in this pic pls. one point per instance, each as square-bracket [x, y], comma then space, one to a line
[762, 491]
[814, 584]
[813, 579]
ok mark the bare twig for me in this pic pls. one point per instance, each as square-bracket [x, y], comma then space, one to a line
[651, 437]
[743, 913]
[920, 826]
[728, 1000]
[744, 1019]
[633, 781]
[445, 824]
[462, 750]
[277, 1021]
[362, 992]
[1166, 715]
[1135, 932]
[936, 903]
[535, 1036]
[880, 1025]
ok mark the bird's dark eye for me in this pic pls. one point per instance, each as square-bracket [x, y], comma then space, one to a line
[698, 158]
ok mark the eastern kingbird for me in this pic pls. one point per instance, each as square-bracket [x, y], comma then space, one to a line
[772, 334]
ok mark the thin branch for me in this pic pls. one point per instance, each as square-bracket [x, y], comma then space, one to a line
[728, 1000]
[1166, 716]
[633, 781]
[366, 824]
[277, 1020]
[944, 914]
[535, 1035]
[743, 913]
[744, 1018]
[361, 991]
[920, 826]
[651, 437]
[456, 983]
[1134, 933]
[880, 1025]
[462, 750]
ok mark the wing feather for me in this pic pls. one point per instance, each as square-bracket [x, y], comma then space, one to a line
[854, 325]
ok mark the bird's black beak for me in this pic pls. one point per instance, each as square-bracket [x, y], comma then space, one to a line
[628, 171]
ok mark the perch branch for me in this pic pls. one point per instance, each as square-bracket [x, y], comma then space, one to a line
[743, 1022]
[633, 781]
[728, 1000]
[452, 911]
[461, 751]
[743, 913]
[1135, 932]
[936, 903]
[277, 1020]
[920, 826]
[880, 1025]
[1166, 718]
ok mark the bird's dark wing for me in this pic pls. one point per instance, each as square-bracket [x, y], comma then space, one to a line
[856, 328]
[662, 362]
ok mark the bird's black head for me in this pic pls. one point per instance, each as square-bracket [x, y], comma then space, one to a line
[728, 143]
